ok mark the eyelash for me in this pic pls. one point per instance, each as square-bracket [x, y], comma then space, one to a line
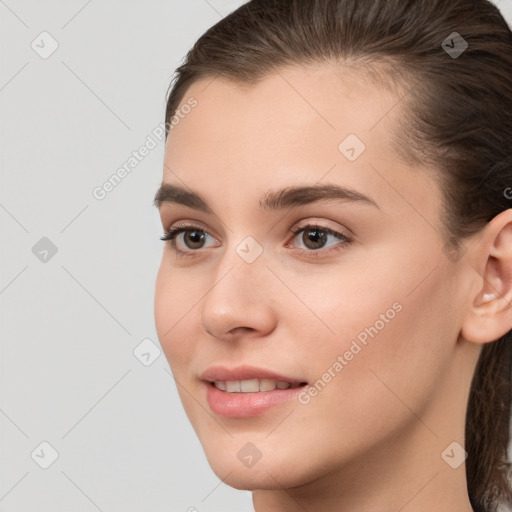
[170, 235]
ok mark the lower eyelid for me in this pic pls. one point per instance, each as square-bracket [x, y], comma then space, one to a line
[172, 234]
[175, 232]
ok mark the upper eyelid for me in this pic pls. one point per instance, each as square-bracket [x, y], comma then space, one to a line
[345, 233]
[297, 226]
[187, 227]
[170, 210]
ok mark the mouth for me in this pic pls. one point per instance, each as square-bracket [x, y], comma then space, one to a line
[239, 399]
[247, 391]
[248, 379]
[254, 385]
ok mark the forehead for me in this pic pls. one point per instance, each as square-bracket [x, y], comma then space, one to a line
[296, 113]
[289, 106]
[293, 127]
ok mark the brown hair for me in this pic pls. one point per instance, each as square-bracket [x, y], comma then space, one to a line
[459, 120]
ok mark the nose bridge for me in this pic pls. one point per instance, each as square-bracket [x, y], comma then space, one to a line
[243, 258]
[241, 270]
[237, 294]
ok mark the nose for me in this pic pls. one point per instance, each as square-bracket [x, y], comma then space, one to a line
[241, 299]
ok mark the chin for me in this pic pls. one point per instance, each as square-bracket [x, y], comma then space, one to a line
[267, 473]
[252, 479]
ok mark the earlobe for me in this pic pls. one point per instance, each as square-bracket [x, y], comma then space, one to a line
[489, 314]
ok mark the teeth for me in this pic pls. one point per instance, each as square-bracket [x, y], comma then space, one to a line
[233, 386]
[221, 385]
[267, 385]
[252, 385]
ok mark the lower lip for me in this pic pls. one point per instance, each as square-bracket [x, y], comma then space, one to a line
[247, 405]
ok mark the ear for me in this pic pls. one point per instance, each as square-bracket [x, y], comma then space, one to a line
[489, 314]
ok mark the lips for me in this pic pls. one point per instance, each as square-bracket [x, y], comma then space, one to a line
[232, 393]
[245, 372]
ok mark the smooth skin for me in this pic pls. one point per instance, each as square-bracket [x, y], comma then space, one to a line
[372, 440]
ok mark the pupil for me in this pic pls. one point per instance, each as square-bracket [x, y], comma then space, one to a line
[316, 236]
[195, 238]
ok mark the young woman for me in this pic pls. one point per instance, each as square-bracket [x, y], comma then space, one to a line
[334, 297]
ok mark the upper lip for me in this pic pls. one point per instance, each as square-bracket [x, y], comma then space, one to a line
[244, 372]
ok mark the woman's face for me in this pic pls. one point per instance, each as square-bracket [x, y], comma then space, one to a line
[367, 315]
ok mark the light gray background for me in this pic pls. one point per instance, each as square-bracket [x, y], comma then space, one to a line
[69, 325]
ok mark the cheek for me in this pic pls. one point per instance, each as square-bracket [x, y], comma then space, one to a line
[164, 303]
[393, 337]
[332, 305]
[173, 304]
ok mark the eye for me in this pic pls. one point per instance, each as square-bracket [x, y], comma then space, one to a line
[315, 237]
[193, 238]
[187, 240]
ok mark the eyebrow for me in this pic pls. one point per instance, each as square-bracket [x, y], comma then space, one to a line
[288, 197]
